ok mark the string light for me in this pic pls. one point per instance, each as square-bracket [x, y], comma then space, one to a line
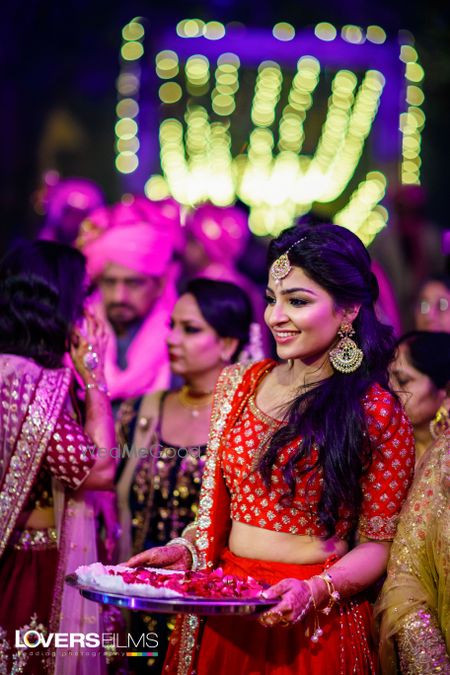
[227, 84]
[267, 93]
[128, 85]
[412, 121]
[376, 34]
[170, 92]
[325, 31]
[363, 214]
[352, 34]
[167, 64]
[190, 28]
[283, 31]
[197, 74]
[214, 30]
[271, 172]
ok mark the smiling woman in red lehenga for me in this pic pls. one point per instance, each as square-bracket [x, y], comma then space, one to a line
[308, 463]
[46, 521]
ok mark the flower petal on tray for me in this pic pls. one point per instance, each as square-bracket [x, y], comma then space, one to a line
[159, 583]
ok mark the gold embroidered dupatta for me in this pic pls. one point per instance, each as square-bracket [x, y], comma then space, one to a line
[235, 386]
[32, 398]
[419, 566]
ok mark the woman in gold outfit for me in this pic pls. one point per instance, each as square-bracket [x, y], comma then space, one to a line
[414, 606]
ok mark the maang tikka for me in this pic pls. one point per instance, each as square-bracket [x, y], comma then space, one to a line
[282, 266]
[346, 357]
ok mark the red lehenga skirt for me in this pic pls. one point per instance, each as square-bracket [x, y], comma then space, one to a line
[242, 646]
[27, 579]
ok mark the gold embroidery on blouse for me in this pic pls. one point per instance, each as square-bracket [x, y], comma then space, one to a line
[225, 390]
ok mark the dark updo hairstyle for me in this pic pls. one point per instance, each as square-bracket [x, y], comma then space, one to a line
[330, 415]
[429, 353]
[41, 297]
[226, 308]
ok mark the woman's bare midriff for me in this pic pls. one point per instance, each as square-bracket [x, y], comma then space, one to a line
[248, 541]
[38, 519]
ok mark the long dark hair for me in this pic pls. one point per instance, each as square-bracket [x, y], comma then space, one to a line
[330, 416]
[226, 308]
[41, 297]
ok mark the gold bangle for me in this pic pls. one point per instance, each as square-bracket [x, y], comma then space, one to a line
[333, 595]
[180, 541]
[318, 632]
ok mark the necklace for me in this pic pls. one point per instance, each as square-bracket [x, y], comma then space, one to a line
[194, 400]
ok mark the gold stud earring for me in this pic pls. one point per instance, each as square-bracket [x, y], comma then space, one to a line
[346, 357]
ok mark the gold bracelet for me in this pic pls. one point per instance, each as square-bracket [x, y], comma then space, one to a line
[318, 632]
[333, 595]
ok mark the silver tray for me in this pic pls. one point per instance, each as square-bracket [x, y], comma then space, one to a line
[182, 605]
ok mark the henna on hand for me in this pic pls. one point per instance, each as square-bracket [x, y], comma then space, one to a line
[168, 557]
[295, 603]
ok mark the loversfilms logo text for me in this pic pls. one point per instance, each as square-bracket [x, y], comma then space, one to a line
[34, 639]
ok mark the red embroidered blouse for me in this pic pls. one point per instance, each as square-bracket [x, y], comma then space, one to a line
[385, 485]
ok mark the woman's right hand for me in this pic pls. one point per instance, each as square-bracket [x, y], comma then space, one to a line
[174, 557]
[91, 338]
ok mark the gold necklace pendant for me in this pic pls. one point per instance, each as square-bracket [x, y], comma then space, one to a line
[194, 403]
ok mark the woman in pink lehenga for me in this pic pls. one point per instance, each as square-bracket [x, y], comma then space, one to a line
[47, 459]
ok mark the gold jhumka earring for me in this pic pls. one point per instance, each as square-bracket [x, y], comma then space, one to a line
[346, 357]
[441, 422]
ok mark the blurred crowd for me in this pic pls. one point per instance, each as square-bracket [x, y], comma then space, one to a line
[168, 304]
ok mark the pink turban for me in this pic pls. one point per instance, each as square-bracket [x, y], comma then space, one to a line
[77, 193]
[138, 235]
[67, 203]
[223, 231]
[135, 234]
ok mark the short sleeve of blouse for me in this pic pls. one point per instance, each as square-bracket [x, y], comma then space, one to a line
[70, 452]
[385, 485]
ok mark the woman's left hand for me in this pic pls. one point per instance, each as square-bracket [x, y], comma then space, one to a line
[296, 601]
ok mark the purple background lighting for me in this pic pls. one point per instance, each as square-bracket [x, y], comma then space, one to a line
[64, 56]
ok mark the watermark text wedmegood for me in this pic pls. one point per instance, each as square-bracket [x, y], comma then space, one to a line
[156, 451]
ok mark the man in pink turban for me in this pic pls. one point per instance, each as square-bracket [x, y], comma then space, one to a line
[129, 248]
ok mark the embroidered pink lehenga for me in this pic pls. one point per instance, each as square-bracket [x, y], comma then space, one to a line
[42, 463]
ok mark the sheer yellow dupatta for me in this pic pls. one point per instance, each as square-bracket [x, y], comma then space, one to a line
[419, 567]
